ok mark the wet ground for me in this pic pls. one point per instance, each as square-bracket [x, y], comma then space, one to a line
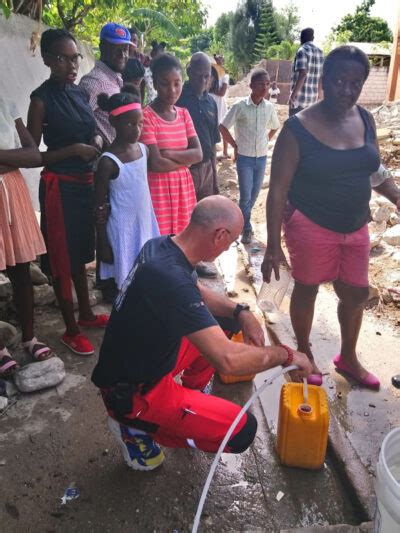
[52, 438]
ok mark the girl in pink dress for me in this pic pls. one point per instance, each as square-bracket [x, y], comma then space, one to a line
[20, 237]
[169, 133]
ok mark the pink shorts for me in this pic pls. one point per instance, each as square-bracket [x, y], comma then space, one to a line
[318, 254]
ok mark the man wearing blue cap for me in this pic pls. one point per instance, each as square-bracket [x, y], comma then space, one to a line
[105, 77]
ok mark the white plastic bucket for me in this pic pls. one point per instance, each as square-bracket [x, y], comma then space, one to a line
[387, 485]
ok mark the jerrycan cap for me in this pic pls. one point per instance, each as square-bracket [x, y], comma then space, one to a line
[304, 409]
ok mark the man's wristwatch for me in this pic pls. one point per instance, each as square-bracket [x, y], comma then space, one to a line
[290, 355]
[239, 308]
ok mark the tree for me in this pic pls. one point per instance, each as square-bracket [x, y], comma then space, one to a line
[287, 21]
[201, 42]
[242, 37]
[268, 32]
[363, 28]
[30, 8]
[283, 50]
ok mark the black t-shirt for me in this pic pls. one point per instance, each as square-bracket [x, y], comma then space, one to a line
[204, 113]
[158, 305]
[68, 120]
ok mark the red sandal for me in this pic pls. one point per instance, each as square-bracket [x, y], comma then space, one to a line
[100, 321]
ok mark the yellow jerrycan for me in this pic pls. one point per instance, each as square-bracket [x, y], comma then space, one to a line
[303, 425]
[237, 337]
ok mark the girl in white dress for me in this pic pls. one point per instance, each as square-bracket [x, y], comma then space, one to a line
[124, 212]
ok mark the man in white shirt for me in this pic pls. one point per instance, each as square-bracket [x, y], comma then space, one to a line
[255, 122]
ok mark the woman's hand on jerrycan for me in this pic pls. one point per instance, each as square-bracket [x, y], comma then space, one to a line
[273, 258]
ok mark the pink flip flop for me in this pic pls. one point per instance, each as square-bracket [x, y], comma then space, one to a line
[370, 381]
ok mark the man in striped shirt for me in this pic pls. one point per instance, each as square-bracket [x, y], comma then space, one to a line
[105, 77]
[306, 73]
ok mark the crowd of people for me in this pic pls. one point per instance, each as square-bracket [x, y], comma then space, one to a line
[137, 187]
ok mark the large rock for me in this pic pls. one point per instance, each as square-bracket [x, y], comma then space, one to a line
[3, 402]
[43, 295]
[373, 292]
[37, 276]
[394, 219]
[40, 375]
[8, 334]
[5, 287]
[382, 214]
[392, 235]
[376, 231]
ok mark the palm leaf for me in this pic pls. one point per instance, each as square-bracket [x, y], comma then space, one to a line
[155, 17]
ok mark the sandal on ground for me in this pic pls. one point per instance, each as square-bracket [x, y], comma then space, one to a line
[100, 321]
[370, 381]
[7, 364]
[78, 344]
[37, 350]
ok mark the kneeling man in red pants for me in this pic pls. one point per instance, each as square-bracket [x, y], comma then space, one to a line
[162, 325]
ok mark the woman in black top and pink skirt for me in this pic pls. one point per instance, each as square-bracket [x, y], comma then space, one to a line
[320, 190]
[60, 112]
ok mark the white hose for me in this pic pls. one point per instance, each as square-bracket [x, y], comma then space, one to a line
[250, 401]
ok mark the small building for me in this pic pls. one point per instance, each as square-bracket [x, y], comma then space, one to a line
[375, 88]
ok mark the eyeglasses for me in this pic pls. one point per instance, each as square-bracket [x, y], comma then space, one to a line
[63, 59]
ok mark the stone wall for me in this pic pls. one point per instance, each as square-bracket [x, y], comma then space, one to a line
[375, 88]
[21, 73]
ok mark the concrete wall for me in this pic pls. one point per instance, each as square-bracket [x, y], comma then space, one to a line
[375, 88]
[21, 73]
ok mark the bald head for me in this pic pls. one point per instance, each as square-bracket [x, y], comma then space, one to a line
[199, 58]
[216, 212]
[199, 72]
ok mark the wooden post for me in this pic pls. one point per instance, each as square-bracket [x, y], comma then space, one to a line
[394, 78]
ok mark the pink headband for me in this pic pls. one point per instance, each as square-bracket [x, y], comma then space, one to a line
[124, 108]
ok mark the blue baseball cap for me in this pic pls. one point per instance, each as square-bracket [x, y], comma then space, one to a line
[115, 34]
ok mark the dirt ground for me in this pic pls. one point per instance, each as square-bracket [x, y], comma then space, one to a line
[383, 268]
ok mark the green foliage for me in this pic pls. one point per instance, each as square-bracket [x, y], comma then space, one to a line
[267, 31]
[242, 39]
[222, 27]
[287, 21]
[201, 42]
[5, 9]
[283, 50]
[363, 28]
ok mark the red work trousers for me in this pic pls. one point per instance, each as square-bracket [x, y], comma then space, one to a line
[179, 416]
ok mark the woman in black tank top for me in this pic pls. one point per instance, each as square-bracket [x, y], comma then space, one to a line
[320, 188]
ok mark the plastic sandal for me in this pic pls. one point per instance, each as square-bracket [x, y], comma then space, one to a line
[315, 379]
[37, 350]
[7, 364]
[100, 321]
[370, 381]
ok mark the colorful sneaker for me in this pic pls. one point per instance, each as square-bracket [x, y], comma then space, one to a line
[139, 449]
[78, 344]
[208, 388]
